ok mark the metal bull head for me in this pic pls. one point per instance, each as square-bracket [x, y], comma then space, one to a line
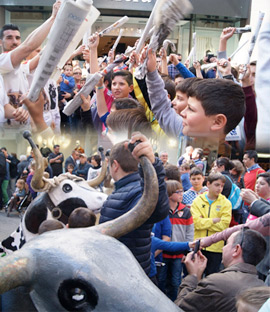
[88, 269]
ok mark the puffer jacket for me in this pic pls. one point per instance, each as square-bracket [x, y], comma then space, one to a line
[127, 193]
[203, 215]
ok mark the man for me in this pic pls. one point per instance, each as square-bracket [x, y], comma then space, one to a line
[72, 159]
[253, 169]
[128, 191]
[217, 292]
[15, 52]
[56, 160]
[5, 181]
[211, 213]
[164, 158]
[81, 170]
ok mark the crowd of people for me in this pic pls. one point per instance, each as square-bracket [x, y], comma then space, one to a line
[224, 204]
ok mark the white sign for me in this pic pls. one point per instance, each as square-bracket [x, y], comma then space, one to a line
[234, 135]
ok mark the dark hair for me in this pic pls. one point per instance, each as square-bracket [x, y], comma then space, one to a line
[124, 157]
[67, 64]
[253, 245]
[3, 149]
[50, 225]
[254, 63]
[97, 158]
[81, 217]
[172, 173]
[125, 74]
[184, 85]
[169, 86]
[172, 186]
[195, 171]
[56, 145]
[199, 151]
[215, 176]
[220, 96]
[226, 162]
[129, 120]
[238, 167]
[70, 166]
[8, 27]
[125, 103]
[108, 77]
[179, 76]
[266, 176]
[252, 154]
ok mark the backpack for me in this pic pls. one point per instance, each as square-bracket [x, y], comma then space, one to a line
[234, 197]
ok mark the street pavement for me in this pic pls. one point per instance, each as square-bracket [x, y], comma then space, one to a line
[8, 224]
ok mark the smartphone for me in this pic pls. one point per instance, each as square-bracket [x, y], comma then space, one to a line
[196, 248]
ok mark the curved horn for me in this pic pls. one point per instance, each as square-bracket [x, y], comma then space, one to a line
[37, 183]
[100, 178]
[141, 212]
[15, 270]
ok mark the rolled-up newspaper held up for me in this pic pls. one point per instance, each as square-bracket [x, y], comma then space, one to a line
[89, 86]
[252, 44]
[67, 23]
[91, 17]
[241, 30]
[115, 25]
[190, 54]
[117, 39]
[168, 43]
[194, 47]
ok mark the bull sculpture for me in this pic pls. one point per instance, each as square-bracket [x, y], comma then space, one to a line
[88, 269]
[60, 196]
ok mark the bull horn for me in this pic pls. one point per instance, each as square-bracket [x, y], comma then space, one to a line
[141, 212]
[15, 270]
[37, 182]
[100, 178]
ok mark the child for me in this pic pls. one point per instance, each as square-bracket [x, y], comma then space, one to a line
[19, 194]
[182, 231]
[50, 225]
[196, 179]
[81, 217]
[68, 82]
[70, 168]
[212, 213]
[185, 170]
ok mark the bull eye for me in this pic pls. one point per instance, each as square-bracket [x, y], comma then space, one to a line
[77, 295]
[67, 188]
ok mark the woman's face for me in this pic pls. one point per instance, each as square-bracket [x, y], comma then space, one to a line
[262, 188]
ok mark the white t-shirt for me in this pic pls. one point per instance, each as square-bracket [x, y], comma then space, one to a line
[15, 79]
[3, 100]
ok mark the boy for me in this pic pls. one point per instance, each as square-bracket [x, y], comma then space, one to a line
[68, 82]
[196, 179]
[215, 106]
[185, 177]
[128, 191]
[212, 213]
[81, 217]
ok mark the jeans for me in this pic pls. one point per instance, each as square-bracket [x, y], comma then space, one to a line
[171, 273]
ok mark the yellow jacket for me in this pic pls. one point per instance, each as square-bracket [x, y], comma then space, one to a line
[203, 215]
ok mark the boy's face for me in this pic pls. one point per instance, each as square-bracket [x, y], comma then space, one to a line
[197, 181]
[68, 71]
[120, 88]
[215, 188]
[177, 196]
[195, 122]
[180, 102]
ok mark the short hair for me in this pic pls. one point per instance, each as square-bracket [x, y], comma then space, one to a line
[184, 85]
[125, 103]
[238, 166]
[124, 157]
[3, 149]
[253, 63]
[199, 151]
[125, 74]
[196, 171]
[252, 154]
[173, 186]
[178, 76]
[185, 165]
[70, 166]
[215, 176]
[56, 145]
[130, 120]
[220, 96]
[253, 297]
[226, 162]
[67, 64]
[253, 245]
[81, 217]
[50, 225]
[172, 173]
[97, 158]
[23, 157]
[21, 181]
[266, 176]
[169, 85]
[8, 27]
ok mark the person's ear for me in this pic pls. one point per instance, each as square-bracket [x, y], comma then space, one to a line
[237, 251]
[131, 88]
[115, 165]
[219, 122]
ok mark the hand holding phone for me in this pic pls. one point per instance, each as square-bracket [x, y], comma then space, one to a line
[196, 249]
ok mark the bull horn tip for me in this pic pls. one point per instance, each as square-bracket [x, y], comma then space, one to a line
[27, 134]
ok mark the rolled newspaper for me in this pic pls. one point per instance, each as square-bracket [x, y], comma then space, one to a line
[252, 44]
[168, 43]
[118, 39]
[194, 47]
[115, 25]
[89, 86]
[190, 54]
[67, 23]
[241, 30]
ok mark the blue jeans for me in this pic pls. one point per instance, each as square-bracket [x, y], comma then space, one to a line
[170, 277]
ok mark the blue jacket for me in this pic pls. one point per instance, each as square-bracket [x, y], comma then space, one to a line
[81, 170]
[127, 193]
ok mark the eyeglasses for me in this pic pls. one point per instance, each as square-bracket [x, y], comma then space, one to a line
[77, 73]
[243, 235]
[179, 192]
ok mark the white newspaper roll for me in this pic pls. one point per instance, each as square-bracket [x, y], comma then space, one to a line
[91, 17]
[190, 54]
[194, 48]
[66, 25]
[115, 25]
[252, 43]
